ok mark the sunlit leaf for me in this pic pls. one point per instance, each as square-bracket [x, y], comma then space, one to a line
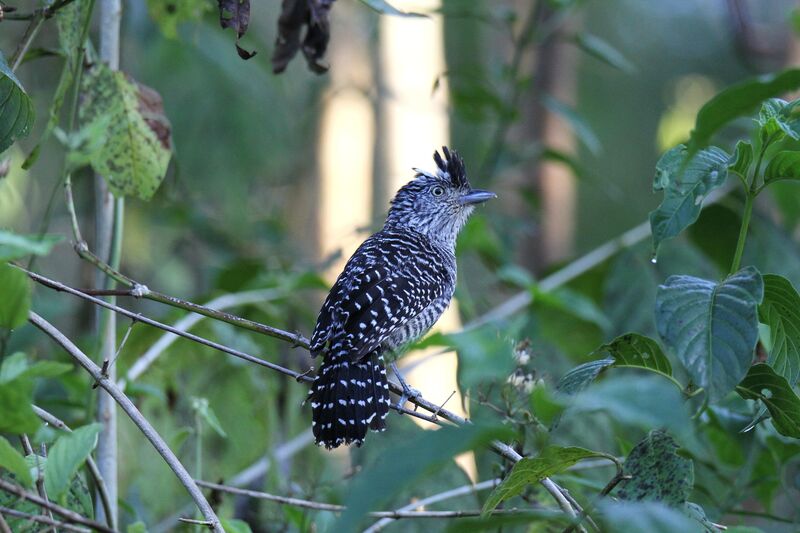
[14, 462]
[737, 100]
[529, 470]
[636, 351]
[780, 310]
[66, 456]
[658, 472]
[16, 108]
[711, 327]
[685, 184]
[762, 383]
[137, 144]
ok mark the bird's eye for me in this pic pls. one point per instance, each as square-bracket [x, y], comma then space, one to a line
[437, 191]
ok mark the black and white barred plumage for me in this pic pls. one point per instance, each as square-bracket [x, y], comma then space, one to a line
[392, 290]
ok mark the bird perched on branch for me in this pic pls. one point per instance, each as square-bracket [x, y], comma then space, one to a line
[392, 290]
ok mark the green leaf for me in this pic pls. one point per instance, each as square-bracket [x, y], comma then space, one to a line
[16, 108]
[658, 472]
[14, 462]
[70, 21]
[652, 517]
[137, 148]
[234, 525]
[15, 303]
[410, 460]
[579, 126]
[783, 165]
[773, 120]
[582, 376]
[711, 327]
[137, 527]
[762, 383]
[16, 366]
[737, 100]
[385, 8]
[544, 406]
[66, 456]
[636, 351]
[14, 246]
[685, 184]
[629, 293]
[529, 470]
[16, 398]
[572, 302]
[483, 355]
[168, 15]
[204, 411]
[602, 50]
[742, 159]
[648, 402]
[780, 310]
[13, 366]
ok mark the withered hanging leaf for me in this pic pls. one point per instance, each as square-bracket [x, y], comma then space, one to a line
[294, 15]
[235, 14]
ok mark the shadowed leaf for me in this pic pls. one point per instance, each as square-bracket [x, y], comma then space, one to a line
[14, 246]
[780, 310]
[15, 288]
[657, 472]
[66, 456]
[14, 462]
[762, 383]
[16, 108]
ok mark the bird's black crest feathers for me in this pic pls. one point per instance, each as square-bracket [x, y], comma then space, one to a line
[452, 166]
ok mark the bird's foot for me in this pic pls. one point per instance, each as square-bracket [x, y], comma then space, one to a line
[408, 392]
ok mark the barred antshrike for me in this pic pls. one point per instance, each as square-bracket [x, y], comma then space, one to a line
[392, 290]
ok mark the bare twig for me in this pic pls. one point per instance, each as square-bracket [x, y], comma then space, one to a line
[31, 31]
[45, 12]
[319, 506]
[133, 413]
[436, 498]
[40, 519]
[99, 482]
[4, 527]
[28, 449]
[66, 514]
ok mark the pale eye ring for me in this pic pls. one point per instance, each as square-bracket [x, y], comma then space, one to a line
[437, 190]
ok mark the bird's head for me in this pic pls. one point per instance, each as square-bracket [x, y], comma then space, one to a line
[437, 204]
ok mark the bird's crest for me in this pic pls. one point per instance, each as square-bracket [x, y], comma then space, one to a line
[451, 168]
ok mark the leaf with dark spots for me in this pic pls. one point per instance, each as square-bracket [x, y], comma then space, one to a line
[151, 107]
[295, 14]
[235, 14]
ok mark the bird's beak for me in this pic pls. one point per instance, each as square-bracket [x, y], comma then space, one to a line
[476, 196]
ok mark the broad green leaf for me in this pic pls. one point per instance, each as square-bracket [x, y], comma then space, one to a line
[204, 411]
[773, 121]
[649, 401]
[783, 165]
[14, 246]
[579, 126]
[14, 462]
[483, 355]
[600, 49]
[385, 8]
[137, 148]
[711, 327]
[780, 310]
[410, 460]
[47, 369]
[582, 376]
[652, 517]
[15, 297]
[685, 184]
[16, 366]
[16, 108]
[16, 397]
[169, 15]
[737, 100]
[636, 351]
[530, 470]
[136, 527]
[742, 158]
[522, 521]
[66, 456]
[762, 383]
[545, 407]
[629, 293]
[13, 366]
[70, 21]
[658, 472]
[573, 303]
[234, 525]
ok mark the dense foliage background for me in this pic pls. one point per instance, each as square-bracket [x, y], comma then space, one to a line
[571, 335]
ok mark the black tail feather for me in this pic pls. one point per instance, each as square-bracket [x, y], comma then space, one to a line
[347, 399]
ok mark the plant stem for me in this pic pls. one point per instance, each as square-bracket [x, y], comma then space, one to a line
[748, 212]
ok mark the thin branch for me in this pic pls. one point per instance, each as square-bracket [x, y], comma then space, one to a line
[40, 490]
[4, 527]
[45, 12]
[31, 31]
[41, 519]
[319, 506]
[90, 464]
[68, 515]
[135, 416]
[436, 498]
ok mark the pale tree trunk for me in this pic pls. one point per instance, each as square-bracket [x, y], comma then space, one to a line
[108, 234]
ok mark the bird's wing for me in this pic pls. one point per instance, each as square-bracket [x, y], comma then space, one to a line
[372, 298]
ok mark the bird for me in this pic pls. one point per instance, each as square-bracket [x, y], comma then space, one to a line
[392, 290]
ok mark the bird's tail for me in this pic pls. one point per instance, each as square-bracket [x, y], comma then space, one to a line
[348, 398]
